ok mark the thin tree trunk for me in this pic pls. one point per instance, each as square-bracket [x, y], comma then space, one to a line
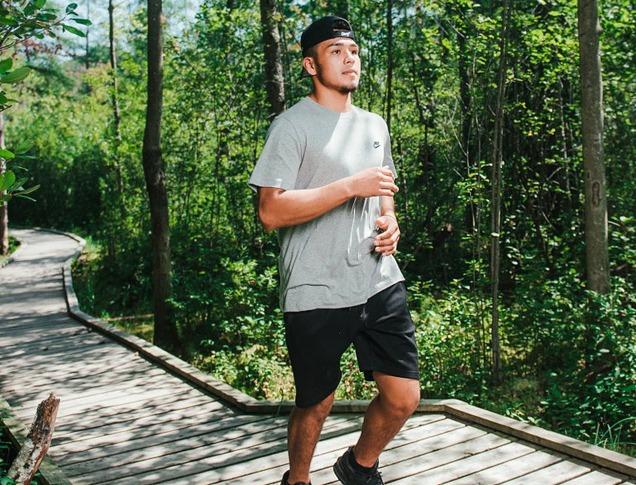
[495, 203]
[274, 78]
[165, 333]
[88, 16]
[597, 260]
[4, 206]
[115, 104]
[389, 67]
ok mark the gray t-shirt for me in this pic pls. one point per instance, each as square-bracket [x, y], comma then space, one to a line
[329, 261]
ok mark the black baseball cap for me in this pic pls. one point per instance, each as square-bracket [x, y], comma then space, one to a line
[328, 27]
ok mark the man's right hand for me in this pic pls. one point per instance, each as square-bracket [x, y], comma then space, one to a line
[373, 181]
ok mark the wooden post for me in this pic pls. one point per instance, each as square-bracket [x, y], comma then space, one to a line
[37, 443]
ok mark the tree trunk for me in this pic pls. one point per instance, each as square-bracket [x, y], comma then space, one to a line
[115, 104]
[389, 67]
[4, 206]
[88, 16]
[495, 201]
[597, 260]
[274, 79]
[165, 333]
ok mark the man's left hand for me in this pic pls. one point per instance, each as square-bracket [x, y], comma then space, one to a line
[386, 242]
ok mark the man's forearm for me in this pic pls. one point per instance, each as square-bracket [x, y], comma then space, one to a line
[294, 207]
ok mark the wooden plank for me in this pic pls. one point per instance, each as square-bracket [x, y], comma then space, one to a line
[549, 439]
[272, 467]
[54, 347]
[43, 361]
[126, 443]
[86, 387]
[69, 367]
[93, 405]
[249, 448]
[431, 450]
[75, 391]
[597, 477]
[557, 473]
[38, 331]
[114, 414]
[465, 466]
[179, 409]
[156, 445]
[417, 459]
[35, 381]
[111, 468]
[197, 412]
[511, 469]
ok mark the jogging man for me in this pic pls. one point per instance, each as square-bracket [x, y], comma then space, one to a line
[325, 181]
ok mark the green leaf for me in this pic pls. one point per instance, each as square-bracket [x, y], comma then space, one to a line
[39, 3]
[7, 154]
[73, 30]
[6, 180]
[82, 21]
[29, 190]
[23, 147]
[70, 7]
[15, 76]
[5, 65]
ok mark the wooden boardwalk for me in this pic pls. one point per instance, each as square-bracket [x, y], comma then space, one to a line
[127, 419]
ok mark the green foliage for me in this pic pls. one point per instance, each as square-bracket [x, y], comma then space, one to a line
[568, 358]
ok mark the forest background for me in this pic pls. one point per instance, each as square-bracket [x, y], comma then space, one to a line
[431, 69]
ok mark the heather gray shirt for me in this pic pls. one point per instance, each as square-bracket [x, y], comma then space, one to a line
[330, 261]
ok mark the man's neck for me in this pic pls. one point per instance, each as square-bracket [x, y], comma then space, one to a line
[334, 100]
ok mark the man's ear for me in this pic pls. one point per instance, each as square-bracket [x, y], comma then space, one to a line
[309, 65]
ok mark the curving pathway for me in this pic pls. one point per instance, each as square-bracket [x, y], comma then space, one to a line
[125, 420]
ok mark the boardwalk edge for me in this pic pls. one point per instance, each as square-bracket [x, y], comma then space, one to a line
[453, 407]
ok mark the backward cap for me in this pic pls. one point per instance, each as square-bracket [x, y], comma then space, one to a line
[328, 27]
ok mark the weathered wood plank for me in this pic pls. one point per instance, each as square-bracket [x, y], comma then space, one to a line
[557, 473]
[70, 367]
[114, 414]
[271, 467]
[418, 459]
[273, 442]
[511, 469]
[45, 380]
[465, 466]
[168, 419]
[37, 351]
[93, 405]
[176, 410]
[74, 392]
[543, 437]
[596, 477]
[115, 444]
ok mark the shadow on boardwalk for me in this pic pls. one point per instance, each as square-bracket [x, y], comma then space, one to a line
[133, 414]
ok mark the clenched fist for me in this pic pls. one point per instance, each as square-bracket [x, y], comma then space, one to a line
[373, 181]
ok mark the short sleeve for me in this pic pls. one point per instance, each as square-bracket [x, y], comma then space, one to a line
[388, 157]
[279, 161]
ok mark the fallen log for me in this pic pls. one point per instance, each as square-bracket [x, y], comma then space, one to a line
[37, 443]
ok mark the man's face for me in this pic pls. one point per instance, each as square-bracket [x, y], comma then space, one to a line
[337, 64]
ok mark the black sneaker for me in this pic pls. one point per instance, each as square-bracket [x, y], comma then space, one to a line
[350, 476]
[285, 482]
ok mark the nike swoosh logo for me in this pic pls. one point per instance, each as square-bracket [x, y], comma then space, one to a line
[376, 144]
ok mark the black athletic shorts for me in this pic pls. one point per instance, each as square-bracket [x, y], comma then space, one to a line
[381, 331]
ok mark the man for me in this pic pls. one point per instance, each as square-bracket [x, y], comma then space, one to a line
[325, 181]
